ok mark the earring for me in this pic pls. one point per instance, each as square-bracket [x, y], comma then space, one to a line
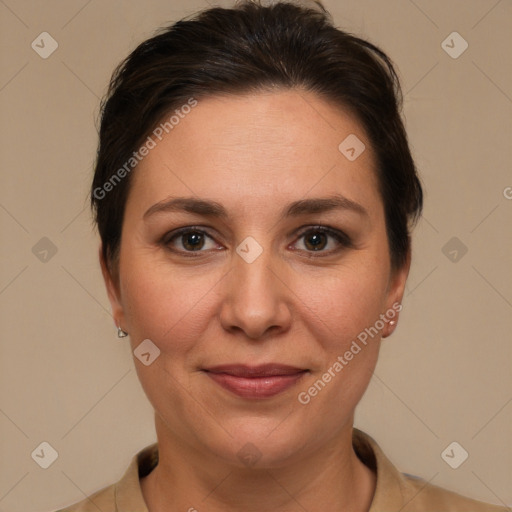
[392, 324]
[121, 333]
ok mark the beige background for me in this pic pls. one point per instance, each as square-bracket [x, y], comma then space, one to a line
[65, 378]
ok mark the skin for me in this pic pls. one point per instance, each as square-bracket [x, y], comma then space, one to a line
[255, 154]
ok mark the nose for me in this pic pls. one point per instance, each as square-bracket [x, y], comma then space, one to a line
[256, 299]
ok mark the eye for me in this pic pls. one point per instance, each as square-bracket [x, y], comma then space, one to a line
[316, 239]
[189, 240]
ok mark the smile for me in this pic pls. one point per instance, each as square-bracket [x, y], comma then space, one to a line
[256, 382]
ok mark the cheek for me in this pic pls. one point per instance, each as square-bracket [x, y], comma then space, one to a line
[170, 309]
[167, 305]
[342, 313]
[342, 303]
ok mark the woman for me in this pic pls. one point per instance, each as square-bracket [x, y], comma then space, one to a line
[254, 192]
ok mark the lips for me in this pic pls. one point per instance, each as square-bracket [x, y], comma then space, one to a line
[264, 370]
[255, 382]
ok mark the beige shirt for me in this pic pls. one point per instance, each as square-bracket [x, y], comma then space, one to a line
[394, 492]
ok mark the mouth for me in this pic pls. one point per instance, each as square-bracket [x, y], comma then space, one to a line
[255, 382]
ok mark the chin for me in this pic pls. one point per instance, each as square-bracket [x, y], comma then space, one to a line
[261, 443]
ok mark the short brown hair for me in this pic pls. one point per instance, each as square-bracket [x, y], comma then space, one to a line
[250, 48]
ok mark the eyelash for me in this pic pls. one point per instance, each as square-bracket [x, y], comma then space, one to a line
[342, 239]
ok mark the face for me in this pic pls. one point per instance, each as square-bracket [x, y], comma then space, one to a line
[279, 255]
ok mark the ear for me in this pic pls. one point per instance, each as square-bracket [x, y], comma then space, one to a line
[396, 291]
[112, 286]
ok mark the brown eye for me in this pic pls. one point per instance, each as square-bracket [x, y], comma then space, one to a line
[192, 241]
[189, 240]
[319, 238]
[316, 241]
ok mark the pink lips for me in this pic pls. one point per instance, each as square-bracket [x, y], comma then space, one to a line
[255, 381]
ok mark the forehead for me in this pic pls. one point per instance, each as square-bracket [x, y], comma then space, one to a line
[258, 147]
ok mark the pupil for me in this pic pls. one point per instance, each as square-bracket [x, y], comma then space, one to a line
[193, 241]
[317, 240]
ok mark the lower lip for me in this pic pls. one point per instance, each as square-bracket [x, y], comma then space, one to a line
[255, 387]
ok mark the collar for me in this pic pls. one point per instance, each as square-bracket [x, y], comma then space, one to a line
[390, 491]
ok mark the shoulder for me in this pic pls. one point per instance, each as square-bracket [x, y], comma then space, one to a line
[421, 496]
[125, 495]
[400, 492]
[103, 500]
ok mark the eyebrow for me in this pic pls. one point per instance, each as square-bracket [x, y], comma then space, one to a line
[214, 209]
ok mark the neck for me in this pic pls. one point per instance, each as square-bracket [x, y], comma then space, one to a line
[330, 478]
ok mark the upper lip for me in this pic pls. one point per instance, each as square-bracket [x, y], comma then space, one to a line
[263, 370]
